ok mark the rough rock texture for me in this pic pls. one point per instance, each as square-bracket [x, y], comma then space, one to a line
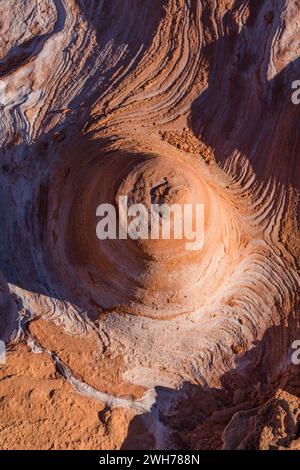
[143, 344]
[41, 410]
[274, 425]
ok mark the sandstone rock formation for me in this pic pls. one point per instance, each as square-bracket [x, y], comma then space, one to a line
[141, 344]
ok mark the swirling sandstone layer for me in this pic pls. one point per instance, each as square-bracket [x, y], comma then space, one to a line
[164, 101]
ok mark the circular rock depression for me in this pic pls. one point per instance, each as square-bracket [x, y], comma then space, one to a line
[159, 278]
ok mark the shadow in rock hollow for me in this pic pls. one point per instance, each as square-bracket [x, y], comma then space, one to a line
[28, 207]
[25, 259]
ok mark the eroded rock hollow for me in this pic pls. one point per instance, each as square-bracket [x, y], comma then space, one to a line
[141, 343]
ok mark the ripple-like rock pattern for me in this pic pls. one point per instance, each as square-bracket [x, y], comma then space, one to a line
[88, 92]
